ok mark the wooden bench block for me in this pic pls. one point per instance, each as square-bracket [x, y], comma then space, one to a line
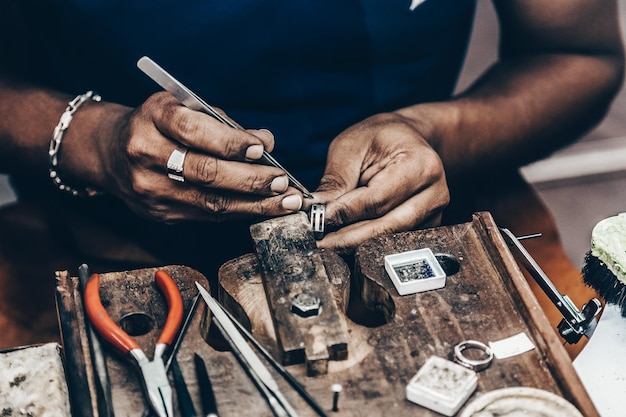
[296, 283]
[487, 299]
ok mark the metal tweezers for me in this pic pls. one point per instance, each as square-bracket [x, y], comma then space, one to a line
[255, 368]
[189, 99]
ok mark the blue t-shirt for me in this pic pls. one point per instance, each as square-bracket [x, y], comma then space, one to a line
[304, 69]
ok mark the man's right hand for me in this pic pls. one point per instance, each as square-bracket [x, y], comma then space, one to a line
[222, 180]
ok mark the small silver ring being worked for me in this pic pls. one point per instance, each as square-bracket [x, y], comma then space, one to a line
[175, 164]
[317, 214]
[474, 364]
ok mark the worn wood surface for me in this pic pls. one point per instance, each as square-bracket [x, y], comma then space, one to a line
[486, 299]
[76, 352]
[292, 267]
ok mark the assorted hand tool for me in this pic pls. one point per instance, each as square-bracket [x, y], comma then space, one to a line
[576, 323]
[257, 371]
[300, 389]
[182, 331]
[388, 355]
[103, 384]
[185, 402]
[209, 405]
[153, 374]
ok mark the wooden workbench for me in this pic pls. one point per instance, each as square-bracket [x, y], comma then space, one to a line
[390, 336]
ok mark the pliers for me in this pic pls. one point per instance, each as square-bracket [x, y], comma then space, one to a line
[153, 373]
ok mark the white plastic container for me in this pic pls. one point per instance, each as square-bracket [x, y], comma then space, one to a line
[442, 386]
[415, 271]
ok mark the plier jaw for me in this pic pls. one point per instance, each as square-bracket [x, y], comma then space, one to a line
[155, 383]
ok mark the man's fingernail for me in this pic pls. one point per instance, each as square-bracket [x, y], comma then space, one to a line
[280, 184]
[267, 133]
[254, 152]
[292, 202]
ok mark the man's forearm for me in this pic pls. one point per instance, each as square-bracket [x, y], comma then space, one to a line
[29, 116]
[521, 110]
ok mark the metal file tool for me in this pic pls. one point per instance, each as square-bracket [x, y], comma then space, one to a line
[192, 101]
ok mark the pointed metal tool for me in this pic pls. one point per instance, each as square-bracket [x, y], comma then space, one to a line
[245, 354]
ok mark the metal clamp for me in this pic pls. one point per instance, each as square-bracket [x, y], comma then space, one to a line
[575, 323]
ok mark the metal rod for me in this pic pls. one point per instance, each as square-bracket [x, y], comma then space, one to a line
[542, 279]
[103, 383]
[181, 333]
[531, 236]
[207, 396]
[185, 403]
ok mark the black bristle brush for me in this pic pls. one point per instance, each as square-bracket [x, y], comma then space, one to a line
[605, 264]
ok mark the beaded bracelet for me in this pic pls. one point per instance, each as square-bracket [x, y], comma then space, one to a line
[55, 144]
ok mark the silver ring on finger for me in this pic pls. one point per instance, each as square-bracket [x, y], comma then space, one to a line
[175, 164]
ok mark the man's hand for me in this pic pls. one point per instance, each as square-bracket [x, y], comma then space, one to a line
[381, 176]
[221, 179]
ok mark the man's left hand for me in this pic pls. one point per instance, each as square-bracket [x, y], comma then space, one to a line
[381, 176]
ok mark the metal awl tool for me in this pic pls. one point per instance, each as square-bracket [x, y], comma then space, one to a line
[209, 405]
[189, 99]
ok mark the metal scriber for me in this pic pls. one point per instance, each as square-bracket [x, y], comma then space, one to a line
[189, 99]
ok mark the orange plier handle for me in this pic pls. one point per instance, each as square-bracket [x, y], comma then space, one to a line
[114, 334]
[174, 304]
